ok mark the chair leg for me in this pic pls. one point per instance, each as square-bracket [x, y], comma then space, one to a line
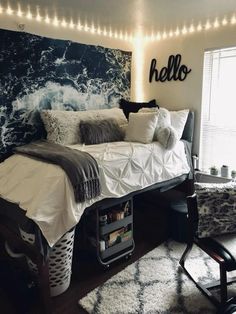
[185, 254]
[44, 287]
[223, 284]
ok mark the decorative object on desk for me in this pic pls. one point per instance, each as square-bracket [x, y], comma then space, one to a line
[233, 174]
[225, 171]
[155, 284]
[214, 171]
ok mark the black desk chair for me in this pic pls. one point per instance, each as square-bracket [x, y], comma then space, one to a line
[221, 249]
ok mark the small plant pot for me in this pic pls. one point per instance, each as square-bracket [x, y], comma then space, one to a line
[214, 171]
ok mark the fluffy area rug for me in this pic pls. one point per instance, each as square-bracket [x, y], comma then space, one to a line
[155, 284]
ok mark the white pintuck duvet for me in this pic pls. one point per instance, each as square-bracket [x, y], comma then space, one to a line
[44, 191]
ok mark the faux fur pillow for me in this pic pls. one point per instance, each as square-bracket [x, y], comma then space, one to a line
[141, 127]
[164, 133]
[167, 136]
[100, 131]
[63, 126]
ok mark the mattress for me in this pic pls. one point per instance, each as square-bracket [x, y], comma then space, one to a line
[44, 191]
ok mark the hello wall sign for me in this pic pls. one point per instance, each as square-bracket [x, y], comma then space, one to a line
[174, 71]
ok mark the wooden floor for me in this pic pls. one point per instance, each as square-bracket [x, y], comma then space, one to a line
[150, 230]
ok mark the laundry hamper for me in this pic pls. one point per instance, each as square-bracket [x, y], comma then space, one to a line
[59, 263]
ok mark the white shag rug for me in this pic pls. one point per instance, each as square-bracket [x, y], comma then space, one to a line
[155, 284]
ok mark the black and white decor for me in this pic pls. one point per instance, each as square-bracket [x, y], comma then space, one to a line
[41, 73]
[155, 284]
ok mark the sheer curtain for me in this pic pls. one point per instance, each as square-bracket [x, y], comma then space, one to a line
[218, 113]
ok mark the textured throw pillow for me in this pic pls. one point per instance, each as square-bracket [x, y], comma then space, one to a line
[63, 126]
[178, 120]
[141, 127]
[129, 106]
[216, 208]
[164, 133]
[166, 136]
[100, 131]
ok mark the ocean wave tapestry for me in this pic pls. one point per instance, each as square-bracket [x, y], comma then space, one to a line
[39, 73]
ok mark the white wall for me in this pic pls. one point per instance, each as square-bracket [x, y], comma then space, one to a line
[187, 94]
[172, 95]
[43, 29]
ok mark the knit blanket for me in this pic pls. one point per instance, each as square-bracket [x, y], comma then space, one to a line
[80, 167]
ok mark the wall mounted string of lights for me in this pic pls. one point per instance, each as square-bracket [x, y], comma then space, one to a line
[56, 22]
[200, 27]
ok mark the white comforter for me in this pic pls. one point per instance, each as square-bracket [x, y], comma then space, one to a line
[44, 191]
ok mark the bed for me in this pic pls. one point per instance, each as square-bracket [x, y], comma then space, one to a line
[38, 193]
[44, 191]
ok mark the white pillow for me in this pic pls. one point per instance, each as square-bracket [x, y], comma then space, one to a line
[178, 120]
[141, 127]
[63, 126]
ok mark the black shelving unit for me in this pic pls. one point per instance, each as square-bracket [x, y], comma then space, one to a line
[113, 236]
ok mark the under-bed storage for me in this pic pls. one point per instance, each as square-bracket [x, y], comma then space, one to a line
[110, 230]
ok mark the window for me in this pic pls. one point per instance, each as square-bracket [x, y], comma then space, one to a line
[218, 115]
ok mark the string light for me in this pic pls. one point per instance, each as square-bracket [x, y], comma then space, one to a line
[19, 12]
[207, 25]
[158, 36]
[191, 29]
[72, 25]
[233, 19]
[47, 19]
[86, 28]
[224, 21]
[9, 10]
[79, 26]
[64, 23]
[29, 15]
[216, 24]
[184, 30]
[164, 35]
[199, 27]
[55, 21]
[119, 34]
[177, 32]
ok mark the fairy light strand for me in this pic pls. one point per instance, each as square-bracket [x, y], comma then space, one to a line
[209, 25]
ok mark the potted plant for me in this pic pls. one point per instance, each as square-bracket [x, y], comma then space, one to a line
[233, 174]
[214, 171]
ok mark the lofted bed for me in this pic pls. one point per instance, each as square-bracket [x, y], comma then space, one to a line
[37, 196]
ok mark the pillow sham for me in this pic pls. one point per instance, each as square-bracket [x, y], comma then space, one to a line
[216, 208]
[141, 127]
[62, 127]
[164, 133]
[130, 106]
[178, 121]
[100, 131]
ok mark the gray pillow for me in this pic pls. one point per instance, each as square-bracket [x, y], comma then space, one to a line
[167, 136]
[100, 131]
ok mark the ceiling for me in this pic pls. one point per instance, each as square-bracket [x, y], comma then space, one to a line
[130, 15]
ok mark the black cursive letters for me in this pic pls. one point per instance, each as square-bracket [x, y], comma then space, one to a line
[173, 71]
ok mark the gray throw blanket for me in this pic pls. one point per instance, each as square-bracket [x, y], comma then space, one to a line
[81, 167]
